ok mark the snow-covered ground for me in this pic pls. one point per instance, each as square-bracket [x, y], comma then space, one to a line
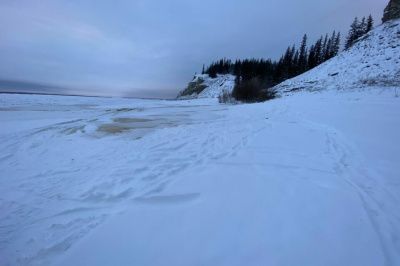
[373, 61]
[309, 179]
[68, 163]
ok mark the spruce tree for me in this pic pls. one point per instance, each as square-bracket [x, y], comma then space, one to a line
[295, 67]
[303, 60]
[362, 28]
[318, 51]
[292, 62]
[336, 46]
[370, 24]
[353, 32]
[324, 49]
[311, 58]
[331, 46]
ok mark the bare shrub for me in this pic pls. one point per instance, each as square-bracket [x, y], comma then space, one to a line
[253, 90]
[226, 98]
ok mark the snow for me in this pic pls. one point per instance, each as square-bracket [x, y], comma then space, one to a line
[373, 61]
[310, 179]
[62, 175]
[214, 86]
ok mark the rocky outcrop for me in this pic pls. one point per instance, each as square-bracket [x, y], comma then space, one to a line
[194, 88]
[203, 86]
[392, 11]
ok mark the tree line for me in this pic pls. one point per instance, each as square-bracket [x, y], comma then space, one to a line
[292, 63]
[267, 73]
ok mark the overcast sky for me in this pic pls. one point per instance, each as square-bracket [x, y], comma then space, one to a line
[153, 47]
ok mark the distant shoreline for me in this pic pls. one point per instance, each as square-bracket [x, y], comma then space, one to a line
[80, 95]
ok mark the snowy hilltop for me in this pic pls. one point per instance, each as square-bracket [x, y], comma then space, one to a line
[203, 86]
[373, 61]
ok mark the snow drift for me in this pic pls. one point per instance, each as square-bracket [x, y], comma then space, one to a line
[373, 61]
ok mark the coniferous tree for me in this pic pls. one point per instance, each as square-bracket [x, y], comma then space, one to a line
[292, 67]
[285, 63]
[311, 58]
[362, 28]
[295, 67]
[336, 45]
[331, 46]
[358, 29]
[325, 49]
[352, 35]
[303, 60]
[370, 24]
[318, 51]
[328, 51]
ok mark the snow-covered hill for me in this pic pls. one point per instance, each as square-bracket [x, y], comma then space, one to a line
[209, 87]
[373, 61]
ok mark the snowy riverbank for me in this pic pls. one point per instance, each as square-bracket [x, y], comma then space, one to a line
[309, 179]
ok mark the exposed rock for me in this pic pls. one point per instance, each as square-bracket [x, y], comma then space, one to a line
[203, 86]
[392, 11]
[194, 87]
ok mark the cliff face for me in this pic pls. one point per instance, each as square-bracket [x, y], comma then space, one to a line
[392, 11]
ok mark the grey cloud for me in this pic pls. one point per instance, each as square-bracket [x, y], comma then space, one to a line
[153, 46]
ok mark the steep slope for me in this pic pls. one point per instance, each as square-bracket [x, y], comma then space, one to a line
[203, 86]
[373, 61]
